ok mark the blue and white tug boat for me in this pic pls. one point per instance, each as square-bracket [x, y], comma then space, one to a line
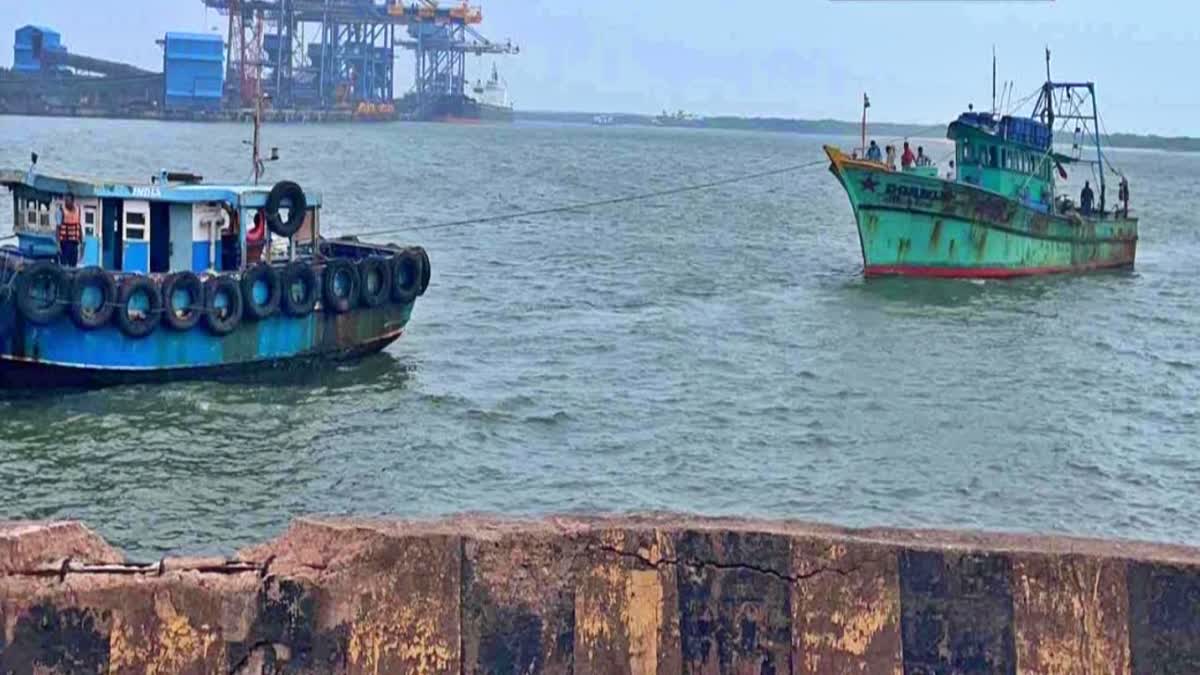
[178, 278]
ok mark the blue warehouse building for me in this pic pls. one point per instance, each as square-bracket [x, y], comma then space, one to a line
[30, 43]
[194, 71]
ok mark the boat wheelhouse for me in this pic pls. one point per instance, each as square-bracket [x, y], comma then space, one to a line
[180, 278]
[998, 212]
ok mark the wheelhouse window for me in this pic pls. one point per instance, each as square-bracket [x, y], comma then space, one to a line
[31, 213]
[135, 226]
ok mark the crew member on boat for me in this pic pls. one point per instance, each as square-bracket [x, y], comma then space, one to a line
[873, 152]
[907, 158]
[1123, 196]
[69, 233]
[231, 251]
[256, 237]
[1086, 198]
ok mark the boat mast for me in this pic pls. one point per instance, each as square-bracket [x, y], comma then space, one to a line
[1048, 92]
[258, 94]
[993, 80]
[866, 104]
[1071, 110]
[1096, 132]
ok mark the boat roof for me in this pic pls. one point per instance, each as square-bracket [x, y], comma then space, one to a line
[240, 195]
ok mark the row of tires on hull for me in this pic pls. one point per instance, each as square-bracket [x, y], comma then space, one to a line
[138, 305]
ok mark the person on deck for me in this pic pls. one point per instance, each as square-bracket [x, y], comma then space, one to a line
[1123, 196]
[1086, 197]
[69, 234]
[950, 173]
[231, 247]
[891, 157]
[874, 154]
[907, 159]
[922, 158]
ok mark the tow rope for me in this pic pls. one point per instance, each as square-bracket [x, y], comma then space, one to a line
[598, 203]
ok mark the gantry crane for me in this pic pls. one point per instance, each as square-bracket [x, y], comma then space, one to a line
[328, 53]
[441, 37]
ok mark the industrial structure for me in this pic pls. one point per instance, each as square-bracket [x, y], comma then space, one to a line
[47, 79]
[307, 59]
[340, 54]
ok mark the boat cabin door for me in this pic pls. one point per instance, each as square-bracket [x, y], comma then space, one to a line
[93, 235]
[180, 248]
[136, 237]
[111, 228]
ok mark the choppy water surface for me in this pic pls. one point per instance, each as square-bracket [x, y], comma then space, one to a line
[716, 353]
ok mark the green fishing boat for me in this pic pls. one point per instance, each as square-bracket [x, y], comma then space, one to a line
[997, 213]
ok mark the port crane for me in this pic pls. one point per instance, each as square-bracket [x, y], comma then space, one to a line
[333, 53]
[441, 37]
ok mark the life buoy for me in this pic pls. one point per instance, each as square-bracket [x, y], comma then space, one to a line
[299, 289]
[139, 303]
[375, 279]
[259, 231]
[91, 310]
[407, 272]
[183, 301]
[260, 280]
[42, 292]
[222, 305]
[339, 285]
[289, 194]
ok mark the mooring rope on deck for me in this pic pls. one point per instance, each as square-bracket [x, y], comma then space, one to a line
[598, 203]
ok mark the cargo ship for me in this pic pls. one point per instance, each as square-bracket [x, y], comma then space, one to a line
[491, 101]
[998, 212]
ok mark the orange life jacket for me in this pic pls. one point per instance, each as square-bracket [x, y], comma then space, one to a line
[69, 230]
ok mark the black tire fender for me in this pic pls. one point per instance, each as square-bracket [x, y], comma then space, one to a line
[297, 205]
[426, 270]
[103, 281]
[339, 303]
[267, 274]
[42, 274]
[218, 320]
[407, 272]
[141, 324]
[381, 270]
[303, 276]
[186, 317]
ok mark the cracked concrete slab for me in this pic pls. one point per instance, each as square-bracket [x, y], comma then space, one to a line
[655, 593]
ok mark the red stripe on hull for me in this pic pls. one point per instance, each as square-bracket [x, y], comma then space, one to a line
[933, 271]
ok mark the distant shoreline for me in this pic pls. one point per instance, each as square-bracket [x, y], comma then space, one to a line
[841, 128]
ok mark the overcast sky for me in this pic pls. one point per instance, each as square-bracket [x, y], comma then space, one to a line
[920, 61]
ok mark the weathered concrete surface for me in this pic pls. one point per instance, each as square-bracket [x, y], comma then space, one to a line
[639, 595]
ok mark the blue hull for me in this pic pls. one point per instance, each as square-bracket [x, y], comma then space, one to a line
[61, 354]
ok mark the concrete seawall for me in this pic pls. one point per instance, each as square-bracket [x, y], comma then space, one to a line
[657, 594]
